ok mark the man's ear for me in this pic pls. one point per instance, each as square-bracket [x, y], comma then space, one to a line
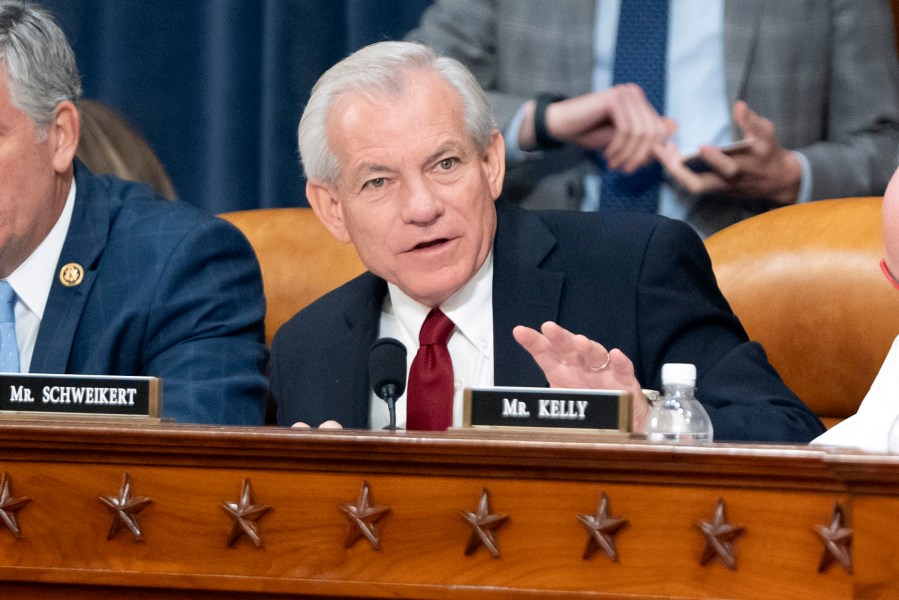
[63, 135]
[495, 163]
[324, 201]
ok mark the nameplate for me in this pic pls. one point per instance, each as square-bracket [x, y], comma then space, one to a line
[607, 411]
[36, 394]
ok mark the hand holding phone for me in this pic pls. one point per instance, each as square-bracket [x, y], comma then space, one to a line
[696, 163]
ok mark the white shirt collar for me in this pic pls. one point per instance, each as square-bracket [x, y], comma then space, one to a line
[33, 279]
[467, 308]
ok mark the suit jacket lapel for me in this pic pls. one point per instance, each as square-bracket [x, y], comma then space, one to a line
[84, 245]
[741, 26]
[524, 293]
[361, 331]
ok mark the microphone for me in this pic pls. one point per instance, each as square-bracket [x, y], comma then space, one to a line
[387, 371]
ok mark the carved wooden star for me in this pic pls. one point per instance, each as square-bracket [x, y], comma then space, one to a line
[483, 524]
[837, 541]
[125, 510]
[363, 518]
[719, 537]
[9, 506]
[244, 515]
[602, 528]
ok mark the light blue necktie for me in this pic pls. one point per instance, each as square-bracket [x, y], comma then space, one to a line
[9, 351]
[640, 57]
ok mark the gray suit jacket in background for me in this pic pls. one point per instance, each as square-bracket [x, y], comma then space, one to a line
[824, 71]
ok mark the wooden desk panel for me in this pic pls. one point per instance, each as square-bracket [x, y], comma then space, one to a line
[541, 483]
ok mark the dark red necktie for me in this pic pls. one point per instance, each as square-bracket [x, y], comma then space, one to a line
[429, 401]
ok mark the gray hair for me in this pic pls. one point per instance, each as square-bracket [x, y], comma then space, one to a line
[382, 68]
[40, 65]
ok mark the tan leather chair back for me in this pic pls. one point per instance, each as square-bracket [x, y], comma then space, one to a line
[300, 260]
[805, 281]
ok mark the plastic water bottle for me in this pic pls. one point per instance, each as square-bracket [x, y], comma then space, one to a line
[679, 417]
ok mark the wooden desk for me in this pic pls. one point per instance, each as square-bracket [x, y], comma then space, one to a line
[542, 484]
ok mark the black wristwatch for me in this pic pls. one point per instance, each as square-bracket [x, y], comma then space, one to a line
[544, 139]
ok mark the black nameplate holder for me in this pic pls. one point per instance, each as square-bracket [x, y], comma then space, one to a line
[589, 411]
[36, 395]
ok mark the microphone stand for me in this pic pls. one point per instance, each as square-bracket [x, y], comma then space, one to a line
[389, 395]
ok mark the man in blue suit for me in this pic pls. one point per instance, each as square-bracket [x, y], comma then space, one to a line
[403, 159]
[104, 277]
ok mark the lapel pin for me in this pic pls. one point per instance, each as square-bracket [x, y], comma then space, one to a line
[71, 274]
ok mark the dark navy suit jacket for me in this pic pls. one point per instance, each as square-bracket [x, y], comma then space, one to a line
[641, 283]
[168, 292]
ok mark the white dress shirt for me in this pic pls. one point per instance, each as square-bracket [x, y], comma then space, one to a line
[32, 281]
[470, 346]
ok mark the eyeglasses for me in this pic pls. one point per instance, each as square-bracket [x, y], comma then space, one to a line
[888, 274]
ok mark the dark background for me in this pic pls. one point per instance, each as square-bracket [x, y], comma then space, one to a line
[217, 86]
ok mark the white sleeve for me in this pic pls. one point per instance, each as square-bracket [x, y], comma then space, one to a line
[868, 428]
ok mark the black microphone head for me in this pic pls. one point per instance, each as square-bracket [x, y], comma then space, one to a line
[386, 366]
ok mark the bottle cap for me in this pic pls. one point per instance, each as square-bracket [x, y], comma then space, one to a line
[682, 373]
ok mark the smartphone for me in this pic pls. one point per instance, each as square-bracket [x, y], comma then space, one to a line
[697, 164]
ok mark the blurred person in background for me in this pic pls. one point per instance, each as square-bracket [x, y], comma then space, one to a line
[812, 85]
